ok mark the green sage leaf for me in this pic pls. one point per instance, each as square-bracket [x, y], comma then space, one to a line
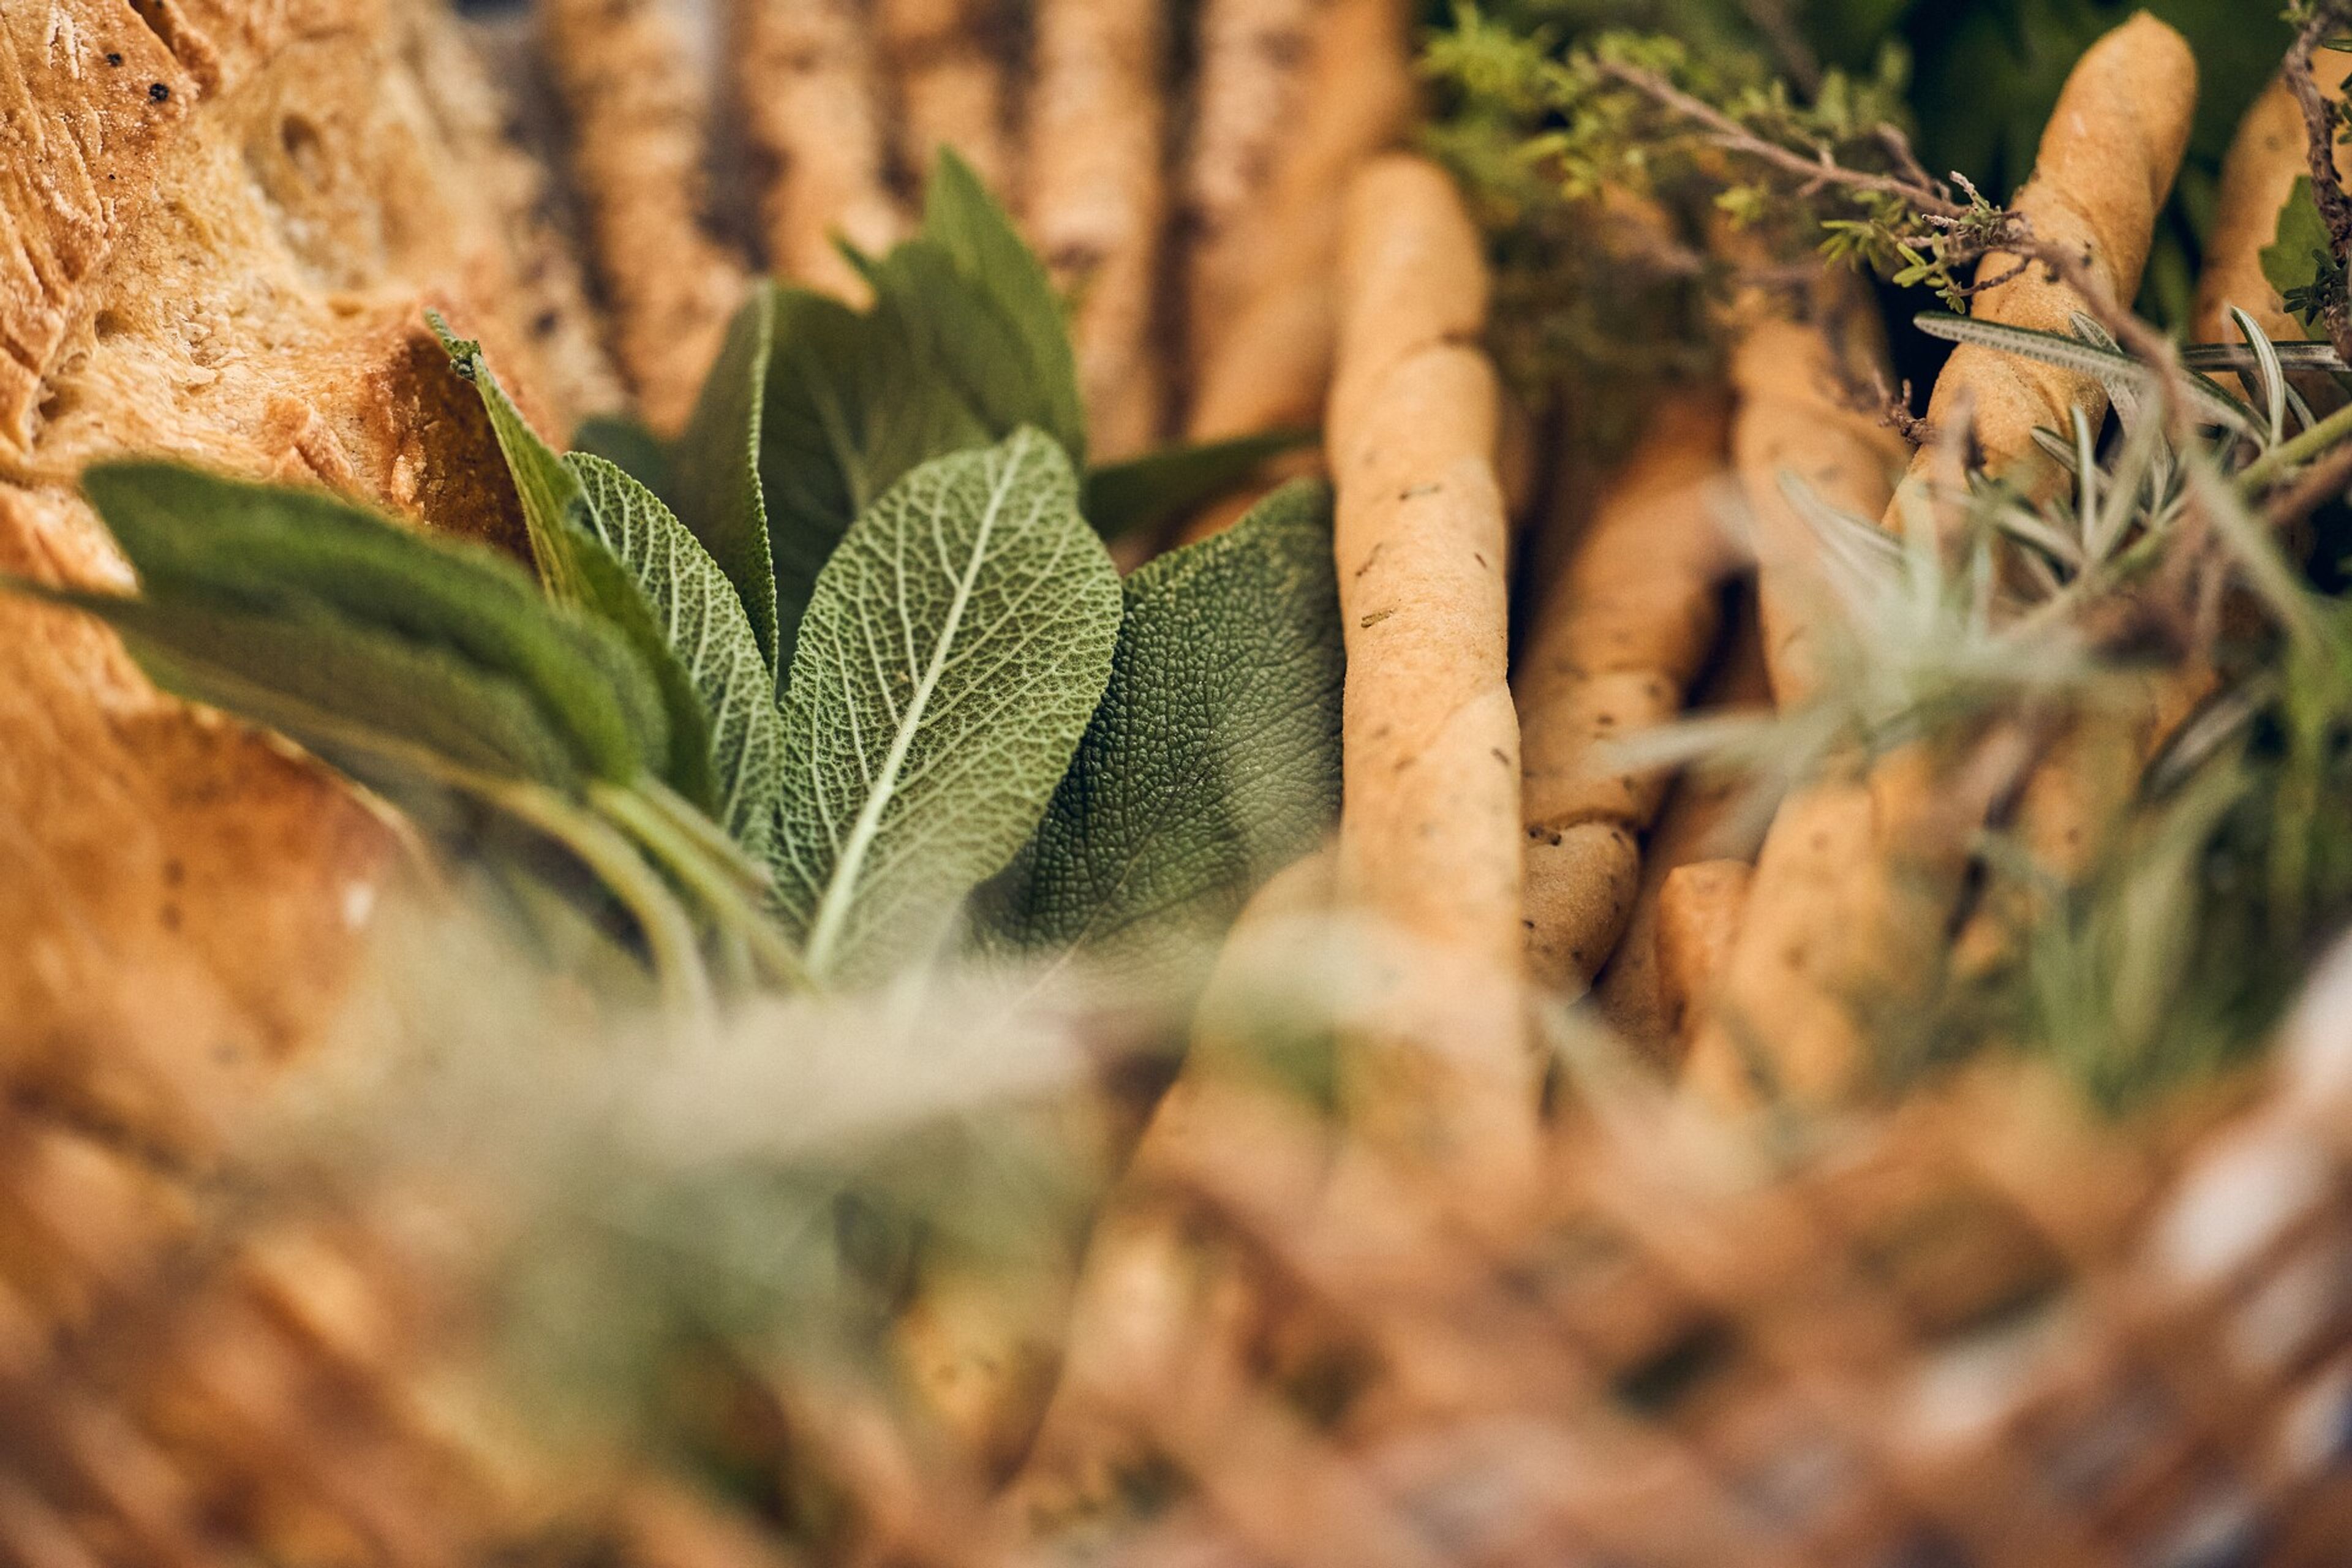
[630, 446]
[212, 544]
[964, 344]
[1149, 492]
[1212, 762]
[953, 651]
[721, 492]
[1008, 283]
[381, 708]
[851, 406]
[579, 568]
[2297, 254]
[699, 616]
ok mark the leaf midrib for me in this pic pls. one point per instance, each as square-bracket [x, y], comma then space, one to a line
[832, 908]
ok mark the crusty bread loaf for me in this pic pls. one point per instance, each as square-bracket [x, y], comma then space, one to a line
[219, 247]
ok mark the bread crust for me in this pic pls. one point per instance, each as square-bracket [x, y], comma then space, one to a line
[181, 894]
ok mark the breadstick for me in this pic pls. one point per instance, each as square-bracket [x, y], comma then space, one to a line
[1844, 930]
[1251, 81]
[1699, 909]
[1796, 421]
[1613, 650]
[2105, 166]
[2268, 154]
[1259, 309]
[1439, 1072]
[1702, 819]
[2077, 793]
[1144, 1274]
[947, 61]
[637, 151]
[1096, 202]
[806, 82]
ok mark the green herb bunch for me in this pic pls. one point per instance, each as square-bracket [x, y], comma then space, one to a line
[793, 691]
[2172, 955]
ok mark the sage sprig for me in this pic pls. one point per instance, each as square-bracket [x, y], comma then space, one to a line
[953, 651]
[792, 725]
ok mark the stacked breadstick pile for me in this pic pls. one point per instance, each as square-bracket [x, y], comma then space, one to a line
[1192, 219]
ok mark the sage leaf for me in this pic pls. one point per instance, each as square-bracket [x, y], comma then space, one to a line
[2298, 255]
[1007, 280]
[965, 343]
[550, 495]
[579, 568]
[1147, 493]
[851, 406]
[721, 492]
[1212, 762]
[203, 541]
[379, 707]
[630, 446]
[698, 616]
[953, 651]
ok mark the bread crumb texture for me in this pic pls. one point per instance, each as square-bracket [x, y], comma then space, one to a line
[220, 223]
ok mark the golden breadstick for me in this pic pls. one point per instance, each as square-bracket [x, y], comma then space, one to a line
[1613, 650]
[1702, 819]
[1438, 1072]
[1096, 202]
[1699, 908]
[806, 82]
[947, 59]
[2105, 166]
[636, 148]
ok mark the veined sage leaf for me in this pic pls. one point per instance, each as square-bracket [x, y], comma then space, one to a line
[202, 541]
[851, 407]
[953, 651]
[1212, 762]
[1148, 491]
[379, 707]
[721, 492]
[550, 495]
[579, 568]
[699, 617]
[628, 445]
[965, 343]
[1006, 278]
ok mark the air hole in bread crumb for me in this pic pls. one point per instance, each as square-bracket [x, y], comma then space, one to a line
[300, 140]
[109, 324]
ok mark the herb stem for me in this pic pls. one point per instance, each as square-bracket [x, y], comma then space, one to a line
[2287, 453]
[713, 881]
[669, 935]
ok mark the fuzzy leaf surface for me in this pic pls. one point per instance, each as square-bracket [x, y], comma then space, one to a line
[203, 542]
[1156, 487]
[720, 486]
[699, 616]
[1006, 280]
[964, 344]
[358, 698]
[1212, 762]
[953, 651]
[630, 446]
[578, 568]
